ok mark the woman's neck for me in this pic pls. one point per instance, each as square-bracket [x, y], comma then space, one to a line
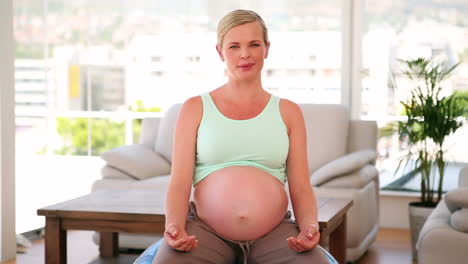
[244, 90]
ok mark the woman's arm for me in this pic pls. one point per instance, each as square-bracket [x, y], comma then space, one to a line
[302, 196]
[183, 162]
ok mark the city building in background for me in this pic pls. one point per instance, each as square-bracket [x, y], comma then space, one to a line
[34, 86]
[99, 88]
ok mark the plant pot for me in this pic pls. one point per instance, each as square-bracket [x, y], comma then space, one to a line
[417, 217]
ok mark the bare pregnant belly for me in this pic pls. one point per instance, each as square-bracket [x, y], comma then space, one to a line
[241, 202]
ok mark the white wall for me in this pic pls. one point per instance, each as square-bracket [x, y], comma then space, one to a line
[7, 134]
[394, 209]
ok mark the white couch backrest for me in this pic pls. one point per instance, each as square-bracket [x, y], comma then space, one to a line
[326, 125]
[327, 132]
[149, 131]
[463, 177]
[163, 144]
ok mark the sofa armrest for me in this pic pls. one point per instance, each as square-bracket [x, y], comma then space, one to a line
[362, 135]
[438, 218]
[356, 179]
[343, 166]
[438, 241]
[365, 203]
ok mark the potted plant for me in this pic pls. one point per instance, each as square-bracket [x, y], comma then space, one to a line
[431, 117]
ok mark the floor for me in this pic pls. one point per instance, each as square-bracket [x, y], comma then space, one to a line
[392, 246]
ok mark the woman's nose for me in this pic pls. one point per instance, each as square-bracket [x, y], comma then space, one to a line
[245, 53]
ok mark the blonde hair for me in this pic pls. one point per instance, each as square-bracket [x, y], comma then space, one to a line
[237, 18]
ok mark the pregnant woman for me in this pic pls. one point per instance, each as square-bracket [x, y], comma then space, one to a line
[238, 145]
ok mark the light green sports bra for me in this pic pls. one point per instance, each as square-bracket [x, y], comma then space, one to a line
[260, 142]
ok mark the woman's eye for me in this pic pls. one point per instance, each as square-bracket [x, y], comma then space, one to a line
[255, 45]
[234, 47]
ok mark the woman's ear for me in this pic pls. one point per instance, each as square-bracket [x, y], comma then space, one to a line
[267, 49]
[220, 53]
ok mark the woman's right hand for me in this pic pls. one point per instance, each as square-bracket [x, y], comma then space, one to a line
[178, 239]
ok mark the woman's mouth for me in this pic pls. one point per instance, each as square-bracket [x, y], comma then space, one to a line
[246, 66]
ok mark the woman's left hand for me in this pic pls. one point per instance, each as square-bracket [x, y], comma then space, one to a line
[306, 240]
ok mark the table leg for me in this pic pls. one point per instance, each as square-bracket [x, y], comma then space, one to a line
[55, 242]
[109, 244]
[338, 242]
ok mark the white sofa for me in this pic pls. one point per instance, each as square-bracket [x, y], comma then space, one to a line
[444, 236]
[341, 151]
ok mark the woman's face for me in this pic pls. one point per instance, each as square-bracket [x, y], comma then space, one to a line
[243, 51]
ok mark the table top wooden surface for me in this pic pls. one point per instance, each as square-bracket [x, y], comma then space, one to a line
[148, 206]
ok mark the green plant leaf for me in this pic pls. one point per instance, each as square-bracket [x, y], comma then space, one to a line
[430, 119]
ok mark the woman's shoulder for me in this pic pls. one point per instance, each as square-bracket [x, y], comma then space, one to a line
[289, 107]
[192, 108]
[193, 102]
[291, 113]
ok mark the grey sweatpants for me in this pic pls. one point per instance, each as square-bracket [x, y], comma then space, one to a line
[213, 248]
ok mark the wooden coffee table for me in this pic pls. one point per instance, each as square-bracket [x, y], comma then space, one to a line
[111, 212]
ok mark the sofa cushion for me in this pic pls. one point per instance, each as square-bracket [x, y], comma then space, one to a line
[457, 198]
[327, 132]
[341, 166]
[109, 172]
[165, 138]
[356, 179]
[137, 160]
[459, 220]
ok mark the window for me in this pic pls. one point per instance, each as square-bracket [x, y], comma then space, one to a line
[400, 30]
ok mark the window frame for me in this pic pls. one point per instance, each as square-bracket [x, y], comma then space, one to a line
[7, 134]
